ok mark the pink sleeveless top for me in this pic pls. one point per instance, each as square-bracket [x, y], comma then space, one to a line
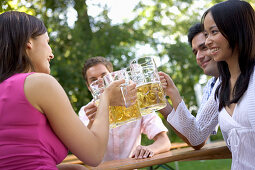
[26, 138]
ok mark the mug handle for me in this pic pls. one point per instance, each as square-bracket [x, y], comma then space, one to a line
[123, 89]
[124, 92]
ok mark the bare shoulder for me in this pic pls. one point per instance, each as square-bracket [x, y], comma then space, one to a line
[41, 82]
[38, 87]
[40, 79]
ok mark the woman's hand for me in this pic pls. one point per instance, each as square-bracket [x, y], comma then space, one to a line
[167, 83]
[170, 89]
[116, 95]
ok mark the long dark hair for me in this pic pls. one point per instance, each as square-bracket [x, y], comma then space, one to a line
[235, 20]
[15, 30]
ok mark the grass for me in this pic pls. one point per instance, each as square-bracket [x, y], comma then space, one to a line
[221, 164]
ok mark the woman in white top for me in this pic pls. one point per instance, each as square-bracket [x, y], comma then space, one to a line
[230, 35]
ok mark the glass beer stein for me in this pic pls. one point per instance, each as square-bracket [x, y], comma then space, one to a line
[150, 94]
[97, 88]
[122, 114]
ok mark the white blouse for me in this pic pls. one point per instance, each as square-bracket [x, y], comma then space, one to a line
[196, 129]
[239, 135]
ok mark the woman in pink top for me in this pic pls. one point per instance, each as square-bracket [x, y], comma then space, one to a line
[37, 121]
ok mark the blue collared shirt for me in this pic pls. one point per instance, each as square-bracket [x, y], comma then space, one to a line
[207, 90]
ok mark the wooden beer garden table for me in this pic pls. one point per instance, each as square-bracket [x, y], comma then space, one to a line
[214, 150]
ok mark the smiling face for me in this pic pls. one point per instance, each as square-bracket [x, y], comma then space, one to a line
[40, 53]
[204, 60]
[218, 45]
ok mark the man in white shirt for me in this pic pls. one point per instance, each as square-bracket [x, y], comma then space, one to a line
[183, 122]
[124, 141]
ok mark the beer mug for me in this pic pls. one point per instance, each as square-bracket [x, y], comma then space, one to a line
[150, 93]
[122, 114]
[97, 88]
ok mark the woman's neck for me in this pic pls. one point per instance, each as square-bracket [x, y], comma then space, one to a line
[234, 69]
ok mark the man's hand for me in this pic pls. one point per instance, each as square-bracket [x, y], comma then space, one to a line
[161, 144]
[90, 110]
[142, 152]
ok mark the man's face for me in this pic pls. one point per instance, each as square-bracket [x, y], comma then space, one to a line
[96, 72]
[204, 60]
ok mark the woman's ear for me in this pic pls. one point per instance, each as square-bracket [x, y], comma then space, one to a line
[29, 44]
[28, 47]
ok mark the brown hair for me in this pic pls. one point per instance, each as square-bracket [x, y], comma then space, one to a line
[94, 61]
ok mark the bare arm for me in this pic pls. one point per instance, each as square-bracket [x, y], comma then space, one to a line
[47, 95]
[166, 110]
[161, 143]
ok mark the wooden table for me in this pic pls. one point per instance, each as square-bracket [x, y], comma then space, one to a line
[216, 150]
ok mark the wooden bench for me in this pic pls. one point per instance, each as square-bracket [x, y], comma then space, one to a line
[217, 150]
[72, 159]
[214, 150]
[178, 145]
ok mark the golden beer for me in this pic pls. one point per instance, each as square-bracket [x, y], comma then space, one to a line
[111, 120]
[150, 97]
[122, 115]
